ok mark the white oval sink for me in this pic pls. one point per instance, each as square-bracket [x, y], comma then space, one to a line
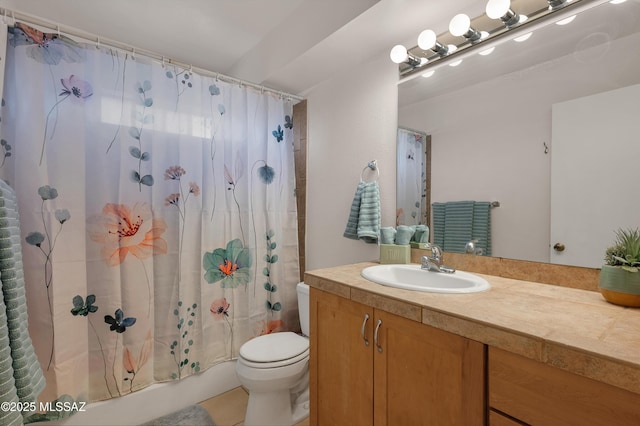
[411, 277]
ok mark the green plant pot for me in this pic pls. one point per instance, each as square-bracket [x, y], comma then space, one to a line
[619, 286]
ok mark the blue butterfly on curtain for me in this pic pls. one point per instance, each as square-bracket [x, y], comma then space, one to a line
[119, 324]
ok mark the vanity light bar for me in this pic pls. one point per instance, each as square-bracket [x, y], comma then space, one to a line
[535, 21]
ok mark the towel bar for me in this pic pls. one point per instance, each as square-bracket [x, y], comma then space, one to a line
[373, 165]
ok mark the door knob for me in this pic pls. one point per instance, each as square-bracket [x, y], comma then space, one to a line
[558, 247]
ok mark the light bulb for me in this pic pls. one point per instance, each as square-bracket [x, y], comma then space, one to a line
[459, 25]
[427, 39]
[496, 9]
[398, 54]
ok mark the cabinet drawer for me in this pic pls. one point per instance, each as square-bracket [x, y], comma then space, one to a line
[539, 394]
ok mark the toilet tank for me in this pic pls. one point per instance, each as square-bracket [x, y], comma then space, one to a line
[303, 307]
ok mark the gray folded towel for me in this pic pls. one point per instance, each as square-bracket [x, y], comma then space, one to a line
[387, 235]
[364, 216]
[404, 234]
[422, 234]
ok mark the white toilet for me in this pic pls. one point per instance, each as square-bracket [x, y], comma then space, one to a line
[275, 370]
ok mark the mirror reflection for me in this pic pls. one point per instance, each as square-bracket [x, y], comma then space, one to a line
[493, 130]
[412, 203]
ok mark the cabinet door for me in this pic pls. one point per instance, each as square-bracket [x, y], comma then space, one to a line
[341, 364]
[426, 376]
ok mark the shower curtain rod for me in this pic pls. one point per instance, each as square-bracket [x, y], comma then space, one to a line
[99, 41]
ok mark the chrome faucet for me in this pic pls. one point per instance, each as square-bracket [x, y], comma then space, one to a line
[434, 262]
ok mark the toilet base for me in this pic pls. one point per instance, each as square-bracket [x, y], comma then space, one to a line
[274, 409]
[301, 407]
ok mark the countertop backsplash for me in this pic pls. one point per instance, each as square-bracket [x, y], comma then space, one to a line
[545, 273]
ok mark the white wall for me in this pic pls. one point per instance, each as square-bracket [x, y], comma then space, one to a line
[352, 119]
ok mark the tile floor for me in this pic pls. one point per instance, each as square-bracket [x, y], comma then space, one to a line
[228, 409]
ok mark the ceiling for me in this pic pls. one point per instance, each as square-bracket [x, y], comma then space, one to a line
[289, 45]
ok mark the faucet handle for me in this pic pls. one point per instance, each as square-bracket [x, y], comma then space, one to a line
[436, 251]
[470, 247]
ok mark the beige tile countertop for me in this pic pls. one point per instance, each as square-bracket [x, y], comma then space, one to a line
[572, 329]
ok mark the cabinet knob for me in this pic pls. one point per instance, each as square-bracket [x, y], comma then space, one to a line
[558, 247]
[362, 331]
[375, 336]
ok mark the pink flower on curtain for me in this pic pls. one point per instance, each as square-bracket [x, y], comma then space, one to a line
[179, 199]
[133, 365]
[76, 89]
[172, 200]
[80, 89]
[219, 308]
[194, 189]
[122, 230]
[174, 173]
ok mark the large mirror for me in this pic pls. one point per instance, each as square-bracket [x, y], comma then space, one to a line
[496, 128]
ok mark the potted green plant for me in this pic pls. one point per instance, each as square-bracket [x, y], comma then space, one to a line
[620, 275]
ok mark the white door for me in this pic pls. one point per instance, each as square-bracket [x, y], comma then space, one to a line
[595, 174]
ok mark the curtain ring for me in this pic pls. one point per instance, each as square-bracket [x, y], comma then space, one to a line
[191, 69]
[98, 42]
[133, 53]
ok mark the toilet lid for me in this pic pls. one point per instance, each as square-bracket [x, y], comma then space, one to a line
[274, 347]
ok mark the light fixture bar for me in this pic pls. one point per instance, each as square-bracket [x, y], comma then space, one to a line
[535, 21]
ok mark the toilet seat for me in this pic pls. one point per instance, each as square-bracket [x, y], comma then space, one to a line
[274, 350]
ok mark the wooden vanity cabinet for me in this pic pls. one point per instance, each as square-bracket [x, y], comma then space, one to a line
[523, 391]
[407, 374]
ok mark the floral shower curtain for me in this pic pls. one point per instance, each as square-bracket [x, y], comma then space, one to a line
[157, 209]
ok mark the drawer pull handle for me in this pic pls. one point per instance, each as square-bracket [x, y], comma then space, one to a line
[375, 336]
[364, 325]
